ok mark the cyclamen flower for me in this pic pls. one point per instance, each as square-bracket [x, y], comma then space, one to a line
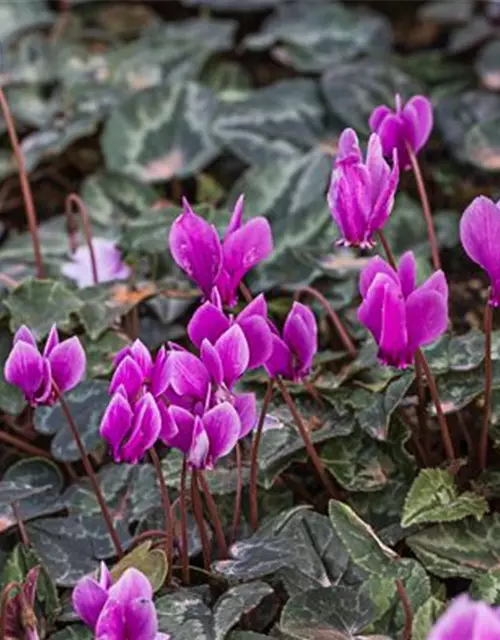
[361, 194]
[209, 322]
[294, 350]
[400, 316]
[40, 377]
[466, 619]
[410, 125]
[198, 251]
[480, 237]
[109, 264]
[118, 611]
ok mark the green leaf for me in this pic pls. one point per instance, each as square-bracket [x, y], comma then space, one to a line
[425, 617]
[298, 546]
[17, 17]
[151, 562]
[273, 123]
[161, 133]
[41, 303]
[463, 549]
[486, 587]
[16, 568]
[243, 600]
[184, 615]
[100, 353]
[233, 5]
[73, 632]
[86, 403]
[11, 398]
[337, 612]
[433, 497]
[312, 37]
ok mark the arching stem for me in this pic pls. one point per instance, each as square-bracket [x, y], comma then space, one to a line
[184, 532]
[74, 200]
[488, 384]
[407, 631]
[387, 249]
[198, 514]
[213, 512]
[238, 494]
[167, 510]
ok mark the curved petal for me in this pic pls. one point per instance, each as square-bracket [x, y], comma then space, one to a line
[159, 374]
[393, 344]
[187, 375]
[437, 282]
[279, 362]
[131, 585]
[300, 332]
[378, 115]
[384, 199]
[184, 422]
[116, 423]
[111, 622]
[458, 622]
[257, 307]
[222, 425]
[45, 395]
[88, 599]
[200, 446]
[348, 147]
[407, 272]
[389, 131]
[246, 407]
[52, 341]
[370, 310]
[234, 354]
[480, 234]
[417, 113]
[212, 362]
[23, 334]
[207, 322]
[427, 317]
[129, 375]
[140, 619]
[140, 353]
[24, 368]
[378, 168]
[196, 248]
[169, 429]
[373, 268]
[68, 363]
[146, 427]
[258, 335]
[236, 216]
[349, 199]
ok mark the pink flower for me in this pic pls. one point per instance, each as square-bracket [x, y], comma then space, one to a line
[109, 263]
[410, 125]
[400, 316]
[361, 194]
[467, 620]
[60, 367]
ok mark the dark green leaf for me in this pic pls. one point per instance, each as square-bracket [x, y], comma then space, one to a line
[486, 587]
[425, 617]
[185, 616]
[241, 601]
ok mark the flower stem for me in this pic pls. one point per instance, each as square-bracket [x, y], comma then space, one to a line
[74, 200]
[25, 185]
[198, 514]
[90, 473]
[387, 249]
[20, 524]
[431, 232]
[184, 533]
[443, 424]
[239, 491]
[214, 517]
[311, 451]
[254, 516]
[407, 631]
[167, 510]
[23, 446]
[245, 292]
[333, 315]
[488, 384]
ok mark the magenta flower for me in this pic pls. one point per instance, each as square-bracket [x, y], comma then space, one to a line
[467, 620]
[294, 350]
[118, 611]
[400, 316]
[209, 322]
[480, 237]
[109, 263]
[410, 125]
[198, 251]
[361, 194]
[60, 367]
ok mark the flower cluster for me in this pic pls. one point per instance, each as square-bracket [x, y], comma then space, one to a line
[118, 611]
[198, 251]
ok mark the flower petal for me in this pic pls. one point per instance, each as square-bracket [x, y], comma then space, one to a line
[427, 317]
[258, 307]
[131, 585]
[437, 282]
[140, 353]
[279, 362]
[480, 234]
[258, 335]
[210, 358]
[370, 310]
[24, 368]
[459, 621]
[207, 322]
[196, 248]
[417, 114]
[187, 375]
[222, 425]
[234, 354]
[246, 407]
[159, 374]
[88, 599]
[146, 427]
[200, 446]
[300, 332]
[67, 363]
[236, 216]
[116, 423]
[184, 421]
[407, 272]
[383, 198]
[52, 341]
[23, 334]
[378, 115]
[169, 428]
[348, 147]
[141, 619]
[393, 344]
[111, 622]
[373, 267]
[129, 375]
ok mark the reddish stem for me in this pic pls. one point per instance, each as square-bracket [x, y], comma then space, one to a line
[387, 249]
[443, 424]
[23, 446]
[74, 200]
[167, 510]
[488, 384]
[184, 533]
[198, 514]
[254, 515]
[90, 473]
[333, 315]
[20, 524]
[431, 232]
[25, 185]
[407, 631]
[311, 451]
[214, 517]
[239, 491]
[245, 292]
